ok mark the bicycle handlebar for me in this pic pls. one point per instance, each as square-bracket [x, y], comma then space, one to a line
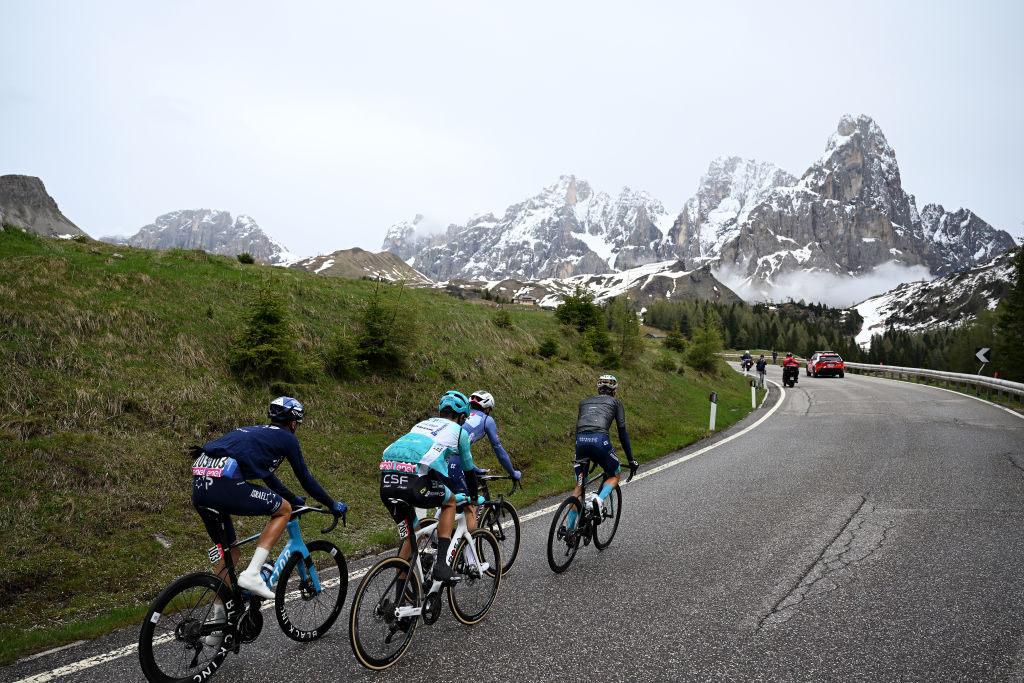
[491, 477]
[299, 511]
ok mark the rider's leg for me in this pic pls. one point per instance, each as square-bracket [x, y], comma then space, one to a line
[445, 523]
[250, 578]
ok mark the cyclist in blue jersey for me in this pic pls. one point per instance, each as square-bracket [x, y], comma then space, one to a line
[594, 443]
[477, 425]
[414, 473]
[219, 481]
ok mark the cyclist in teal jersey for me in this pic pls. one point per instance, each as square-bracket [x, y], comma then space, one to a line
[414, 473]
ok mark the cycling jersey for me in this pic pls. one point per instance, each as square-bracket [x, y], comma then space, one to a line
[479, 423]
[426, 449]
[258, 451]
[596, 415]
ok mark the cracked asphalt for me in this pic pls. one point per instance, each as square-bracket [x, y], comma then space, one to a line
[868, 530]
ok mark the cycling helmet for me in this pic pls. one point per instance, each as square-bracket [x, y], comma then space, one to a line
[789, 355]
[455, 400]
[285, 409]
[482, 400]
[607, 383]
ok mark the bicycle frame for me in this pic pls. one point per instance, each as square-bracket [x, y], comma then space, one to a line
[295, 544]
[460, 531]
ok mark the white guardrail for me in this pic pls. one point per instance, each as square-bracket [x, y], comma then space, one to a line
[980, 383]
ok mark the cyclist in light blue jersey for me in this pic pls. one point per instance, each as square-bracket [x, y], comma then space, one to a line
[414, 473]
[480, 423]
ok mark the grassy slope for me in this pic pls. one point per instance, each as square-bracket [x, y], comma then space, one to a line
[114, 362]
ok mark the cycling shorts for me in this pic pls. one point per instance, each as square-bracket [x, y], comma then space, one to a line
[231, 497]
[400, 491]
[596, 448]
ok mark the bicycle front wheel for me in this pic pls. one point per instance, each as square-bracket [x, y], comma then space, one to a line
[503, 521]
[471, 597]
[173, 643]
[311, 591]
[378, 637]
[562, 540]
[611, 509]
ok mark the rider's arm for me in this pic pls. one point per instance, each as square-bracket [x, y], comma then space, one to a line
[491, 428]
[307, 480]
[468, 469]
[620, 422]
[278, 487]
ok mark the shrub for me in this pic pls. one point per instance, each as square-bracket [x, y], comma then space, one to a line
[245, 257]
[502, 319]
[388, 331]
[265, 348]
[675, 341]
[665, 365]
[707, 342]
[579, 310]
[549, 347]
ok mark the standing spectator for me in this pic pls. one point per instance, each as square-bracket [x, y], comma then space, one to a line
[762, 366]
[775, 357]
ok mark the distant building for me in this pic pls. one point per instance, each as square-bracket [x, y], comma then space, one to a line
[526, 300]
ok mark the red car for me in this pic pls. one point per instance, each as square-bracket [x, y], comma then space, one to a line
[826, 363]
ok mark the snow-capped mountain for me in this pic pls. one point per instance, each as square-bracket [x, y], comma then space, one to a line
[643, 284]
[849, 214]
[357, 263]
[568, 229]
[949, 300]
[728, 192]
[210, 230]
[846, 215]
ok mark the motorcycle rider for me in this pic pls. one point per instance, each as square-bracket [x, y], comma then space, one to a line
[790, 362]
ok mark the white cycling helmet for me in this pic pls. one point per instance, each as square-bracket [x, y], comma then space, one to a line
[607, 382]
[482, 399]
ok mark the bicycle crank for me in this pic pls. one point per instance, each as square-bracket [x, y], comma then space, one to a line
[250, 625]
[431, 608]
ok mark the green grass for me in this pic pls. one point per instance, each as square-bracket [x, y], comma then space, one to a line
[115, 362]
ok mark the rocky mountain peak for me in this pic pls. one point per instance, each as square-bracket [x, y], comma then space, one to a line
[25, 203]
[211, 230]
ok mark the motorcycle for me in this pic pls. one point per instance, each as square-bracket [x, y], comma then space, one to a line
[747, 363]
[790, 375]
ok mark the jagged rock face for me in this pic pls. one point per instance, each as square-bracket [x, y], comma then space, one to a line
[212, 231]
[728, 192]
[25, 203]
[847, 214]
[566, 230]
[960, 239]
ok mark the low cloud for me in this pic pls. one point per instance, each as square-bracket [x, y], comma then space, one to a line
[838, 291]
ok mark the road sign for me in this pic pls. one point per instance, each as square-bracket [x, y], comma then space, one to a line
[982, 355]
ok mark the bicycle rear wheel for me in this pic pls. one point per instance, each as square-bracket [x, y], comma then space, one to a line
[563, 541]
[378, 637]
[172, 641]
[303, 612]
[471, 597]
[503, 521]
[611, 509]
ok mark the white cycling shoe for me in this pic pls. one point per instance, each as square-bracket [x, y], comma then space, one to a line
[253, 582]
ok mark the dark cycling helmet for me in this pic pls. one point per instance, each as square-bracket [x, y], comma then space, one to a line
[285, 409]
[455, 400]
[607, 383]
[482, 399]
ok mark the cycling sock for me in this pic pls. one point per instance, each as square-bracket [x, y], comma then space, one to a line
[258, 558]
[605, 490]
[442, 549]
[570, 522]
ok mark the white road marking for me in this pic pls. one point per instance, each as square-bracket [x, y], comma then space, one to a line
[84, 664]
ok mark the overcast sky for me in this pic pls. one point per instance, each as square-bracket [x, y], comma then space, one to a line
[328, 122]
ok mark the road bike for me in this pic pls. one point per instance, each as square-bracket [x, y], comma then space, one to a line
[397, 593]
[597, 525]
[181, 640]
[498, 516]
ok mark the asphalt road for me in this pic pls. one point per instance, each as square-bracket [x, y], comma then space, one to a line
[865, 529]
